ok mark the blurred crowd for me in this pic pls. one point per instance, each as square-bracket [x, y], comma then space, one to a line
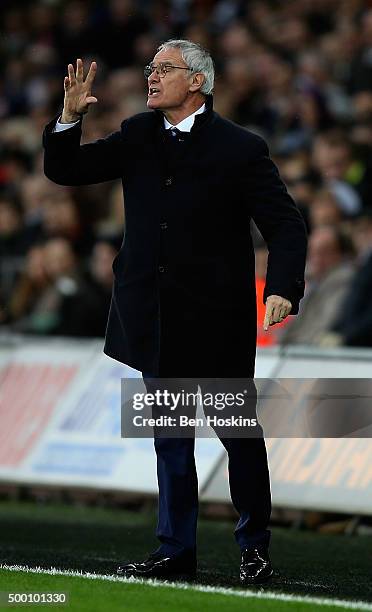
[297, 72]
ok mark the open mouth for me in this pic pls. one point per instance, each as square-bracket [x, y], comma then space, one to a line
[153, 91]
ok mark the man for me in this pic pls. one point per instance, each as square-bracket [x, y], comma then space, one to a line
[183, 302]
[352, 324]
[330, 271]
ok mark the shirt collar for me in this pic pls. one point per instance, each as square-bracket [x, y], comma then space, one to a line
[186, 124]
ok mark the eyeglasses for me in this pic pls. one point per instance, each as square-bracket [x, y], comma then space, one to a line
[161, 69]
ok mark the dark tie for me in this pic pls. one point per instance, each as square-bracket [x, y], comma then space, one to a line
[175, 135]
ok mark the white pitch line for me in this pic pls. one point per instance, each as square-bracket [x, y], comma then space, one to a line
[340, 603]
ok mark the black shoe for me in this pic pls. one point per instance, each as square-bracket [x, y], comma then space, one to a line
[255, 566]
[158, 565]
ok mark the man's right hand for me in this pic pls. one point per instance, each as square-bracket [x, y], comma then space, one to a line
[78, 96]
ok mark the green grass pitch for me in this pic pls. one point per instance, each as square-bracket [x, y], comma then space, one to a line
[95, 540]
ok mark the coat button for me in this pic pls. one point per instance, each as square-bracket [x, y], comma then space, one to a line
[168, 181]
[163, 225]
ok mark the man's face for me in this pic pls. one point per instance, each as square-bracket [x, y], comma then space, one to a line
[331, 160]
[172, 90]
[324, 253]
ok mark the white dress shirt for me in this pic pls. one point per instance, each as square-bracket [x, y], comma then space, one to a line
[186, 124]
[183, 126]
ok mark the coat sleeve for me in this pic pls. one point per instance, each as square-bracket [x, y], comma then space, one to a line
[67, 162]
[281, 225]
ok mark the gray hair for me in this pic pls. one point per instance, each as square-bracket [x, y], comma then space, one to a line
[197, 58]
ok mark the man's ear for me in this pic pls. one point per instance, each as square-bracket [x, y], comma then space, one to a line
[197, 81]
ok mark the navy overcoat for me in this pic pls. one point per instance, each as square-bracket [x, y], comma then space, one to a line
[187, 226]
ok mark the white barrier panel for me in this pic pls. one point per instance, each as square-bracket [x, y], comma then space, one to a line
[321, 474]
[60, 424]
[60, 421]
[306, 362]
[327, 474]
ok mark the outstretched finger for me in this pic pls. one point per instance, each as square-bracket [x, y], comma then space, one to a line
[91, 74]
[71, 74]
[91, 100]
[79, 70]
[268, 314]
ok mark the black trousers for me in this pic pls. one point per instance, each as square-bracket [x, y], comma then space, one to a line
[199, 343]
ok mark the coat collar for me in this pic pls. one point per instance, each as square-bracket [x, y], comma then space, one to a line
[186, 124]
[199, 119]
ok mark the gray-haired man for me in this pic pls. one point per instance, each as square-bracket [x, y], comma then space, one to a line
[183, 303]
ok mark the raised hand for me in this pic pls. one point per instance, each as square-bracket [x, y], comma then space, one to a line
[78, 93]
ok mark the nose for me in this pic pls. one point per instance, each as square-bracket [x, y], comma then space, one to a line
[154, 77]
